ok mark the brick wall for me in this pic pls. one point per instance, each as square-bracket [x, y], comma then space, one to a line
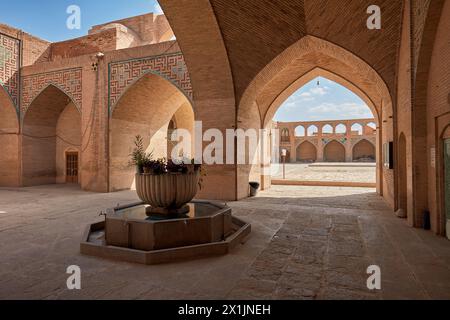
[438, 108]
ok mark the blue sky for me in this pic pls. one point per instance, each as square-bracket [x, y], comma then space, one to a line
[328, 101]
[47, 18]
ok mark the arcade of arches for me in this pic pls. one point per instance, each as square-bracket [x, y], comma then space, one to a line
[355, 141]
[69, 115]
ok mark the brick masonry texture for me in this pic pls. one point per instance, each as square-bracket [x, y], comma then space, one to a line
[123, 74]
[69, 81]
[9, 66]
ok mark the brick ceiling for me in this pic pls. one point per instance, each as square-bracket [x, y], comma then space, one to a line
[256, 31]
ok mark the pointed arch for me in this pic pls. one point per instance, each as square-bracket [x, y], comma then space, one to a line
[47, 86]
[306, 152]
[113, 104]
[334, 151]
[51, 124]
[146, 108]
[327, 129]
[364, 150]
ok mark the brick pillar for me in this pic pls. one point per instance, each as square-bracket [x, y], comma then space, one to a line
[348, 150]
[320, 147]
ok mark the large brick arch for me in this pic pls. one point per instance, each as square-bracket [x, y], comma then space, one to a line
[363, 149]
[311, 75]
[51, 124]
[226, 54]
[306, 152]
[146, 109]
[307, 59]
[334, 151]
[9, 140]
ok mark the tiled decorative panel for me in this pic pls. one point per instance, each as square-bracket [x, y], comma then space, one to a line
[9, 65]
[68, 80]
[172, 67]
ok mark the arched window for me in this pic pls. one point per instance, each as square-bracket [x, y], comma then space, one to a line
[341, 129]
[285, 135]
[357, 129]
[328, 129]
[300, 131]
[313, 131]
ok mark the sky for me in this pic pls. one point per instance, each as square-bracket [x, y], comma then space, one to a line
[328, 101]
[46, 19]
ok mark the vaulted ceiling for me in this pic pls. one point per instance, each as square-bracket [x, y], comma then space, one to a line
[254, 32]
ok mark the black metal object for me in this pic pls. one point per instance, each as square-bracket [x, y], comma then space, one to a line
[426, 220]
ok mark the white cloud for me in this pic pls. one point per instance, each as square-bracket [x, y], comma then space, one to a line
[319, 91]
[341, 110]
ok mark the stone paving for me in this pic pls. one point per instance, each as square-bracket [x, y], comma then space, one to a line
[335, 172]
[307, 243]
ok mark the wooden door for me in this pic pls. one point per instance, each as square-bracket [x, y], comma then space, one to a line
[72, 167]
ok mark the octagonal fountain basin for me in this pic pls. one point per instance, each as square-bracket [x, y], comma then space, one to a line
[129, 234]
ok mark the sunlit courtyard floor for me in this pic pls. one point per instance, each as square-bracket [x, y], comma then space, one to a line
[329, 172]
[307, 243]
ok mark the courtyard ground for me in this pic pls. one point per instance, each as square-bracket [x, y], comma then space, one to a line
[306, 243]
[328, 172]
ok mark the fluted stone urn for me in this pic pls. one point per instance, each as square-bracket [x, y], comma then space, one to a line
[167, 194]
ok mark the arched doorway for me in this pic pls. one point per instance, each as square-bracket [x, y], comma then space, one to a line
[334, 152]
[364, 151]
[9, 140]
[306, 152]
[146, 108]
[402, 177]
[51, 127]
[306, 60]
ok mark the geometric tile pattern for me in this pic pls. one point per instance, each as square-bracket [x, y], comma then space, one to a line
[123, 73]
[9, 66]
[68, 80]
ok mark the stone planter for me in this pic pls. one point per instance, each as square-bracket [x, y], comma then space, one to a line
[167, 193]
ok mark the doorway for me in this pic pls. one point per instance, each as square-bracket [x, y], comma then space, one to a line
[72, 167]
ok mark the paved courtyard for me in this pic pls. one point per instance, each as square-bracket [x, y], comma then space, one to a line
[307, 243]
[329, 172]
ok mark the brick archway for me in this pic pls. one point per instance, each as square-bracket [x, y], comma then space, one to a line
[306, 152]
[146, 109]
[302, 62]
[363, 151]
[51, 124]
[334, 152]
